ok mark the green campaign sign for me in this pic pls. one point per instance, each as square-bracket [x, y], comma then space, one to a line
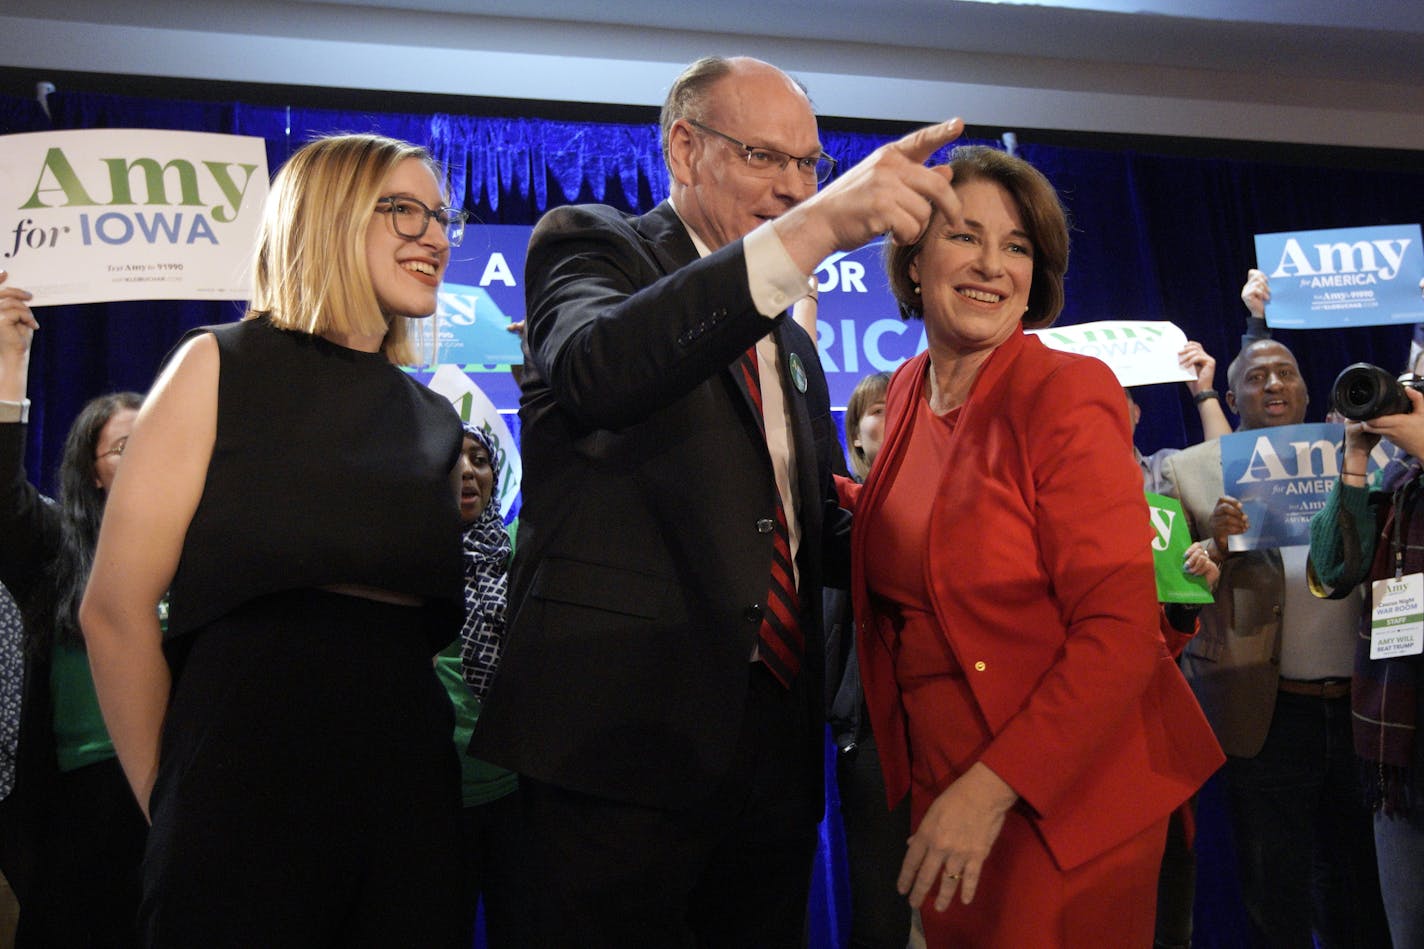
[1169, 548]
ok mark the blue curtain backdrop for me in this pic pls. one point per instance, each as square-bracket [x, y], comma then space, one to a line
[1155, 237]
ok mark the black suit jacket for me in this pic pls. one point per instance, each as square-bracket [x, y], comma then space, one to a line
[640, 573]
[30, 529]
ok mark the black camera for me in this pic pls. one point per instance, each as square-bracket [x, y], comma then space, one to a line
[1365, 391]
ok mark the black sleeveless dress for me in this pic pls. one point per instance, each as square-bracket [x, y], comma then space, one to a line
[308, 791]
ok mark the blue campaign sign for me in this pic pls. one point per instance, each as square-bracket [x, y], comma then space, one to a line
[474, 329]
[483, 293]
[858, 325]
[1349, 276]
[1282, 476]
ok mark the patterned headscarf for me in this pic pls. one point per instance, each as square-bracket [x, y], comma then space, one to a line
[486, 551]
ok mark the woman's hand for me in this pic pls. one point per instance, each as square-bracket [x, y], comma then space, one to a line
[1199, 564]
[955, 836]
[17, 331]
[1405, 431]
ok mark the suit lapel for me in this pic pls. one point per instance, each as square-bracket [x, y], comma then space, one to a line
[668, 241]
[803, 439]
[900, 398]
[899, 403]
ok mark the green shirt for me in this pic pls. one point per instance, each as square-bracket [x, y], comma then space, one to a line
[79, 734]
[480, 782]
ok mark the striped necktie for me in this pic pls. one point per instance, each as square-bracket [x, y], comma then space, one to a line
[780, 639]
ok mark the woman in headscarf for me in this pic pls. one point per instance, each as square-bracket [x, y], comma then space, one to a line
[490, 817]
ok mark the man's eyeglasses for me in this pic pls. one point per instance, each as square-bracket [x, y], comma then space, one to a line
[411, 217]
[768, 162]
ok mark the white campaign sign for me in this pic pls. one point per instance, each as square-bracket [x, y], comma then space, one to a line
[130, 214]
[476, 408]
[1139, 352]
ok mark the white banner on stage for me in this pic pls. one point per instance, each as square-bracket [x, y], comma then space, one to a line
[130, 214]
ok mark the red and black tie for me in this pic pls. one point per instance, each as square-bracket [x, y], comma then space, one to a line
[781, 641]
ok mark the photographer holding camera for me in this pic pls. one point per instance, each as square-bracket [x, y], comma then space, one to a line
[1360, 536]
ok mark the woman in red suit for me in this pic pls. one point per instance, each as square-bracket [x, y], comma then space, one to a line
[1016, 677]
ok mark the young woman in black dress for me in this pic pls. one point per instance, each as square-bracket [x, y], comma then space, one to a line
[292, 490]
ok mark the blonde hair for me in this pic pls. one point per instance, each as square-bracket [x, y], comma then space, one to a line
[867, 392]
[309, 273]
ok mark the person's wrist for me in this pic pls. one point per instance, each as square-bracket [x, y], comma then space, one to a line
[1205, 395]
[991, 790]
[14, 386]
[14, 410]
[806, 236]
[1353, 459]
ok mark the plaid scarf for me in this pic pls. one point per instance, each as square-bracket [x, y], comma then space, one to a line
[486, 551]
[1385, 694]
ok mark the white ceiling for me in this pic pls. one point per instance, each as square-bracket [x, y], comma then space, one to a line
[1334, 37]
[1290, 71]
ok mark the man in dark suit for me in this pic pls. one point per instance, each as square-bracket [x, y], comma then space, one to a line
[660, 690]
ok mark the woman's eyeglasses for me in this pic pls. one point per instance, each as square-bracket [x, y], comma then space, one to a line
[410, 218]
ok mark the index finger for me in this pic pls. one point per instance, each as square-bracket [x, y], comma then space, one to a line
[920, 144]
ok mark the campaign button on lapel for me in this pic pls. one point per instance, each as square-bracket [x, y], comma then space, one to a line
[798, 373]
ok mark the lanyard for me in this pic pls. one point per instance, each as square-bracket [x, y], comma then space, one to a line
[1402, 495]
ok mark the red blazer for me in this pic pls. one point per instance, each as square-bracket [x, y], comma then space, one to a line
[1039, 567]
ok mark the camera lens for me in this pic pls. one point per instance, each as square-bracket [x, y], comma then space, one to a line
[1360, 392]
[1364, 391]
